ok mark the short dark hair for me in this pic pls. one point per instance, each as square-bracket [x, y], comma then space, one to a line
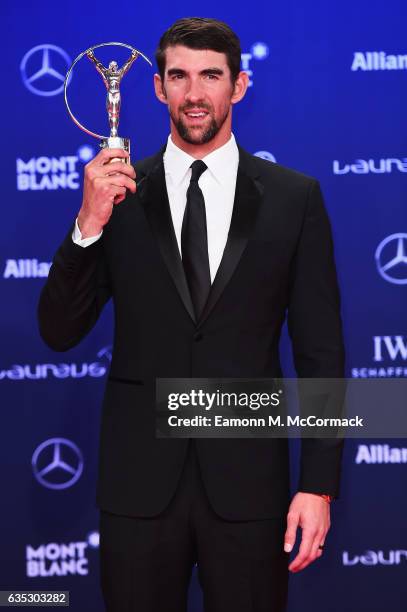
[201, 33]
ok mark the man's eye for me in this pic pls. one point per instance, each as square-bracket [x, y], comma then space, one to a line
[212, 77]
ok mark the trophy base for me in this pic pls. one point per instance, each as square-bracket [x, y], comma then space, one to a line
[116, 142]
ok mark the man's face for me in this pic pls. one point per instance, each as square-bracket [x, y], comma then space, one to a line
[198, 90]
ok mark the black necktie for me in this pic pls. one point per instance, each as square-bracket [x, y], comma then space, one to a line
[194, 241]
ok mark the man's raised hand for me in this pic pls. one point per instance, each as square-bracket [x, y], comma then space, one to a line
[105, 184]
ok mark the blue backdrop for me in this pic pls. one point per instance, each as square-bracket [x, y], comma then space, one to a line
[328, 97]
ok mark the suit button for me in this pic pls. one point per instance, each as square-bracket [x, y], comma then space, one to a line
[198, 337]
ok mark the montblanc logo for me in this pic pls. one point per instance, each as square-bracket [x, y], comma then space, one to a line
[42, 371]
[380, 453]
[60, 559]
[51, 173]
[26, 268]
[384, 165]
[47, 173]
[378, 60]
[258, 51]
[385, 349]
[372, 557]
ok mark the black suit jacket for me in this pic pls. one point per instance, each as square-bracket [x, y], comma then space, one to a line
[278, 261]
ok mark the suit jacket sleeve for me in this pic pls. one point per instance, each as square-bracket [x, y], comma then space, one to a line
[75, 292]
[315, 328]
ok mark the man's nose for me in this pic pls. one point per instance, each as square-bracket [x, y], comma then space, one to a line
[194, 92]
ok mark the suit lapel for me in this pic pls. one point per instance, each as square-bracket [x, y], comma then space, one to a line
[247, 200]
[153, 194]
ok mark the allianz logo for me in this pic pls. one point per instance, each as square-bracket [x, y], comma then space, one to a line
[26, 268]
[380, 453]
[378, 60]
[385, 165]
[41, 371]
[372, 557]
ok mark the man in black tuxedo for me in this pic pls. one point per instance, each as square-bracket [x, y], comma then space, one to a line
[203, 257]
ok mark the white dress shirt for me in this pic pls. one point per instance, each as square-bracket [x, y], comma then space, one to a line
[218, 184]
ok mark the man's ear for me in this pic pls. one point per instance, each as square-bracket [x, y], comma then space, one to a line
[240, 87]
[160, 89]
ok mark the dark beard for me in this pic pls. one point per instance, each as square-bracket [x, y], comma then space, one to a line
[206, 136]
[188, 135]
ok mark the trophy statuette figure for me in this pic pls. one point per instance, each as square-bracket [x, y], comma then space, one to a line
[112, 76]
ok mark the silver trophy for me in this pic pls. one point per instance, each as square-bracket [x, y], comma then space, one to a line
[112, 76]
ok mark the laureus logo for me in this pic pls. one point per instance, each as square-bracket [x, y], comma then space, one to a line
[373, 557]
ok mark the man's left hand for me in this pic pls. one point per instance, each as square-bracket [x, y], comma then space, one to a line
[312, 513]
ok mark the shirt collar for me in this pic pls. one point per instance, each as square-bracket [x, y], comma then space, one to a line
[221, 163]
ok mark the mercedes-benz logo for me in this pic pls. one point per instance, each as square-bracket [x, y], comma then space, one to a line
[43, 69]
[57, 463]
[391, 259]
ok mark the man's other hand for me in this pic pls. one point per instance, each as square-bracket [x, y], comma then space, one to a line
[312, 513]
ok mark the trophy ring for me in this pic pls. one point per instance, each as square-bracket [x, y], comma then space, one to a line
[112, 76]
